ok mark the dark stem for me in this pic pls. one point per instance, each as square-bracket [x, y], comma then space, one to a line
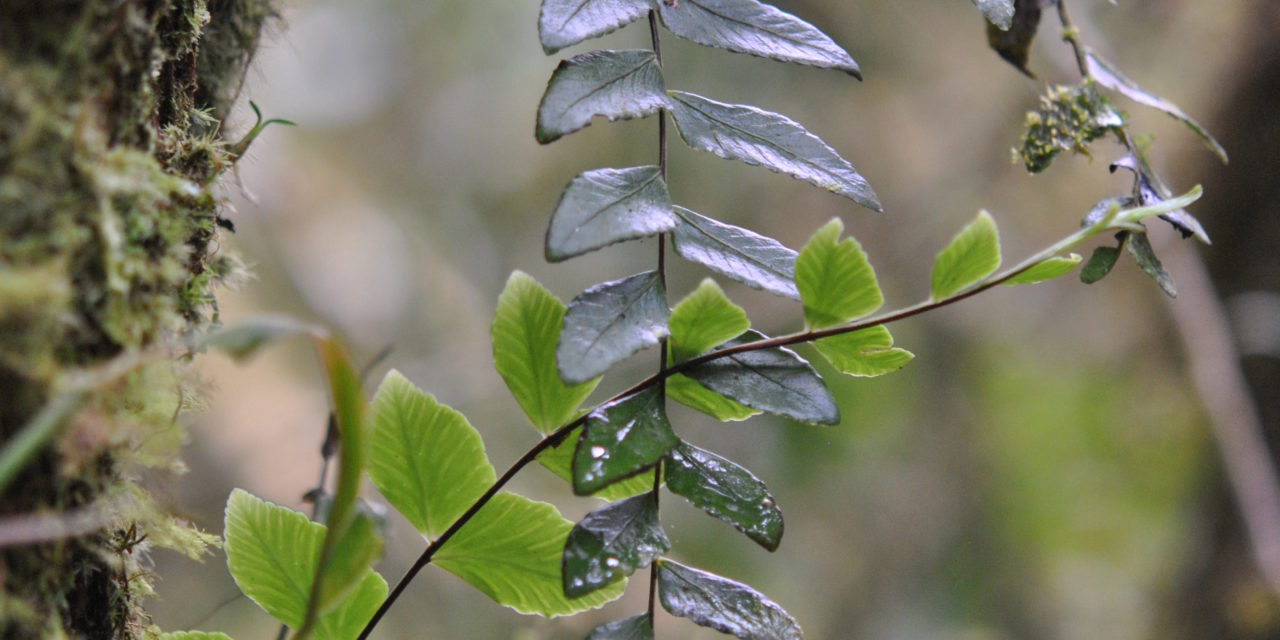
[555, 438]
[653, 568]
[662, 277]
[1071, 35]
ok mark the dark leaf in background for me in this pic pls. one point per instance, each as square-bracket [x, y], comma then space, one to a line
[729, 607]
[633, 628]
[998, 12]
[622, 439]
[1013, 40]
[1107, 75]
[1150, 190]
[772, 380]
[1099, 264]
[605, 206]
[1140, 248]
[609, 322]
[726, 491]
[747, 26]
[769, 140]
[618, 85]
[760, 262]
[564, 23]
[612, 542]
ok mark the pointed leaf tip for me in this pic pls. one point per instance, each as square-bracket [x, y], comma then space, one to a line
[970, 256]
[755, 28]
[770, 140]
[760, 262]
[725, 490]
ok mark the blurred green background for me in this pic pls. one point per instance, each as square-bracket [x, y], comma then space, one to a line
[1042, 470]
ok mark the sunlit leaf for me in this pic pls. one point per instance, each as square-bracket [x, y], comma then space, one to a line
[272, 553]
[769, 140]
[609, 322]
[1047, 270]
[618, 85]
[511, 552]
[605, 206]
[726, 491]
[1143, 253]
[559, 460]
[622, 439]
[633, 628]
[704, 319]
[564, 23]
[998, 12]
[729, 607]
[835, 281]
[1108, 75]
[773, 380]
[690, 393]
[864, 354]
[748, 26]
[611, 543]
[757, 261]
[1099, 264]
[428, 461]
[1012, 39]
[971, 256]
[526, 328]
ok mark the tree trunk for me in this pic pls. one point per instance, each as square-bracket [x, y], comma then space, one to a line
[110, 141]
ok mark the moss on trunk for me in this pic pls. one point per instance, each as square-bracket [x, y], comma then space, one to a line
[110, 140]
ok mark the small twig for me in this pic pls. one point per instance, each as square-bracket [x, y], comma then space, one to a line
[38, 528]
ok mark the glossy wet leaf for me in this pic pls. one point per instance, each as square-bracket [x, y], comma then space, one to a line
[428, 461]
[611, 543]
[633, 628]
[1012, 40]
[727, 606]
[774, 380]
[1099, 265]
[690, 393]
[864, 354]
[609, 322]
[272, 553]
[726, 491]
[622, 439]
[704, 319]
[526, 328]
[1108, 75]
[748, 26]
[970, 256]
[605, 206]
[769, 140]
[564, 23]
[511, 552]
[835, 280]
[559, 460]
[1145, 255]
[243, 339]
[1047, 270]
[757, 261]
[998, 12]
[618, 85]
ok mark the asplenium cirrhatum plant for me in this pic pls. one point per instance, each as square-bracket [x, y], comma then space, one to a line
[430, 463]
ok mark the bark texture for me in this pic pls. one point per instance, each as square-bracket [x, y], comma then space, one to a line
[110, 141]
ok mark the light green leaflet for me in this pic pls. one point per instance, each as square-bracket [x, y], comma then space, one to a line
[835, 281]
[1046, 270]
[971, 256]
[864, 354]
[705, 318]
[511, 551]
[428, 461]
[526, 328]
[272, 553]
